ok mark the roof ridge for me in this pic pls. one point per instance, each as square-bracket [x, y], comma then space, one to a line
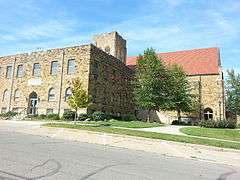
[186, 50]
[196, 49]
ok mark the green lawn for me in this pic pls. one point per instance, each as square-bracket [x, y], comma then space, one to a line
[125, 124]
[112, 123]
[226, 134]
[152, 135]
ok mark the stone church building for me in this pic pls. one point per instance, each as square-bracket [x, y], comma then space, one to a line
[39, 82]
[203, 68]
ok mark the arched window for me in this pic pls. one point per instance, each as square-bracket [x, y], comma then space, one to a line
[17, 95]
[5, 95]
[208, 114]
[107, 49]
[68, 93]
[51, 94]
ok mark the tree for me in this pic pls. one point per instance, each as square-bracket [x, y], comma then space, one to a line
[181, 99]
[79, 98]
[233, 92]
[150, 82]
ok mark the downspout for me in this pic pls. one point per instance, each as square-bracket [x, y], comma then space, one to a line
[223, 98]
[200, 97]
[11, 89]
[61, 82]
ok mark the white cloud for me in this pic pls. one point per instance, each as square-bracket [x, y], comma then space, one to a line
[48, 29]
[225, 25]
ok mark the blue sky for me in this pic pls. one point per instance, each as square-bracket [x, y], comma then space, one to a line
[166, 25]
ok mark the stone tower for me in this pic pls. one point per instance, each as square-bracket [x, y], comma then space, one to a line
[113, 44]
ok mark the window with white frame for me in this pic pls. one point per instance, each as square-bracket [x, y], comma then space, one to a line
[49, 111]
[5, 95]
[208, 114]
[20, 71]
[51, 94]
[3, 110]
[71, 66]
[9, 72]
[68, 93]
[17, 95]
[36, 70]
[54, 67]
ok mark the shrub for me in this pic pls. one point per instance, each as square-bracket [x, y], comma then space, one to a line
[42, 116]
[8, 114]
[207, 123]
[129, 118]
[182, 123]
[224, 123]
[53, 116]
[69, 115]
[82, 117]
[98, 116]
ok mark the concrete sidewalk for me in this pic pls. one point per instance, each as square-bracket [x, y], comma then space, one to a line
[191, 151]
[171, 129]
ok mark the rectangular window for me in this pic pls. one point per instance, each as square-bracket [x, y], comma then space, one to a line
[49, 111]
[94, 95]
[15, 110]
[3, 110]
[95, 70]
[36, 70]
[54, 67]
[66, 110]
[20, 71]
[105, 72]
[9, 72]
[71, 66]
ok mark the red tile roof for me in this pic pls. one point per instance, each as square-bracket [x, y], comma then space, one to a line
[193, 62]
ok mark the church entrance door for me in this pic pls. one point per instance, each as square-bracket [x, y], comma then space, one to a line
[32, 103]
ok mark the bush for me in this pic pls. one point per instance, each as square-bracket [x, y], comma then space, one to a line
[225, 123]
[82, 117]
[69, 115]
[182, 123]
[207, 123]
[53, 116]
[8, 114]
[98, 116]
[129, 118]
[42, 116]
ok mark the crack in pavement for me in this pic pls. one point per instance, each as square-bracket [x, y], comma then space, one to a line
[51, 173]
[36, 143]
[226, 175]
[102, 169]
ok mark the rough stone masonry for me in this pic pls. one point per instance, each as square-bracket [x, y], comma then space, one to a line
[39, 82]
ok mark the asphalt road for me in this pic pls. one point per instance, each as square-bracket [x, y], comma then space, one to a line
[24, 156]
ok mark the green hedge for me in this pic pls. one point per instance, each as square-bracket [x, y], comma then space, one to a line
[224, 123]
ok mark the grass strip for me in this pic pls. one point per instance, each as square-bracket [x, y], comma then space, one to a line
[226, 134]
[125, 124]
[152, 135]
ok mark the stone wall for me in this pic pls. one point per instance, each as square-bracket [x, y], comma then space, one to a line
[209, 93]
[45, 81]
[110, 84]
[113, 43]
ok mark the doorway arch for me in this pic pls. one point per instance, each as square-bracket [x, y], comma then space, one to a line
[32, 103]
[208, 114]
